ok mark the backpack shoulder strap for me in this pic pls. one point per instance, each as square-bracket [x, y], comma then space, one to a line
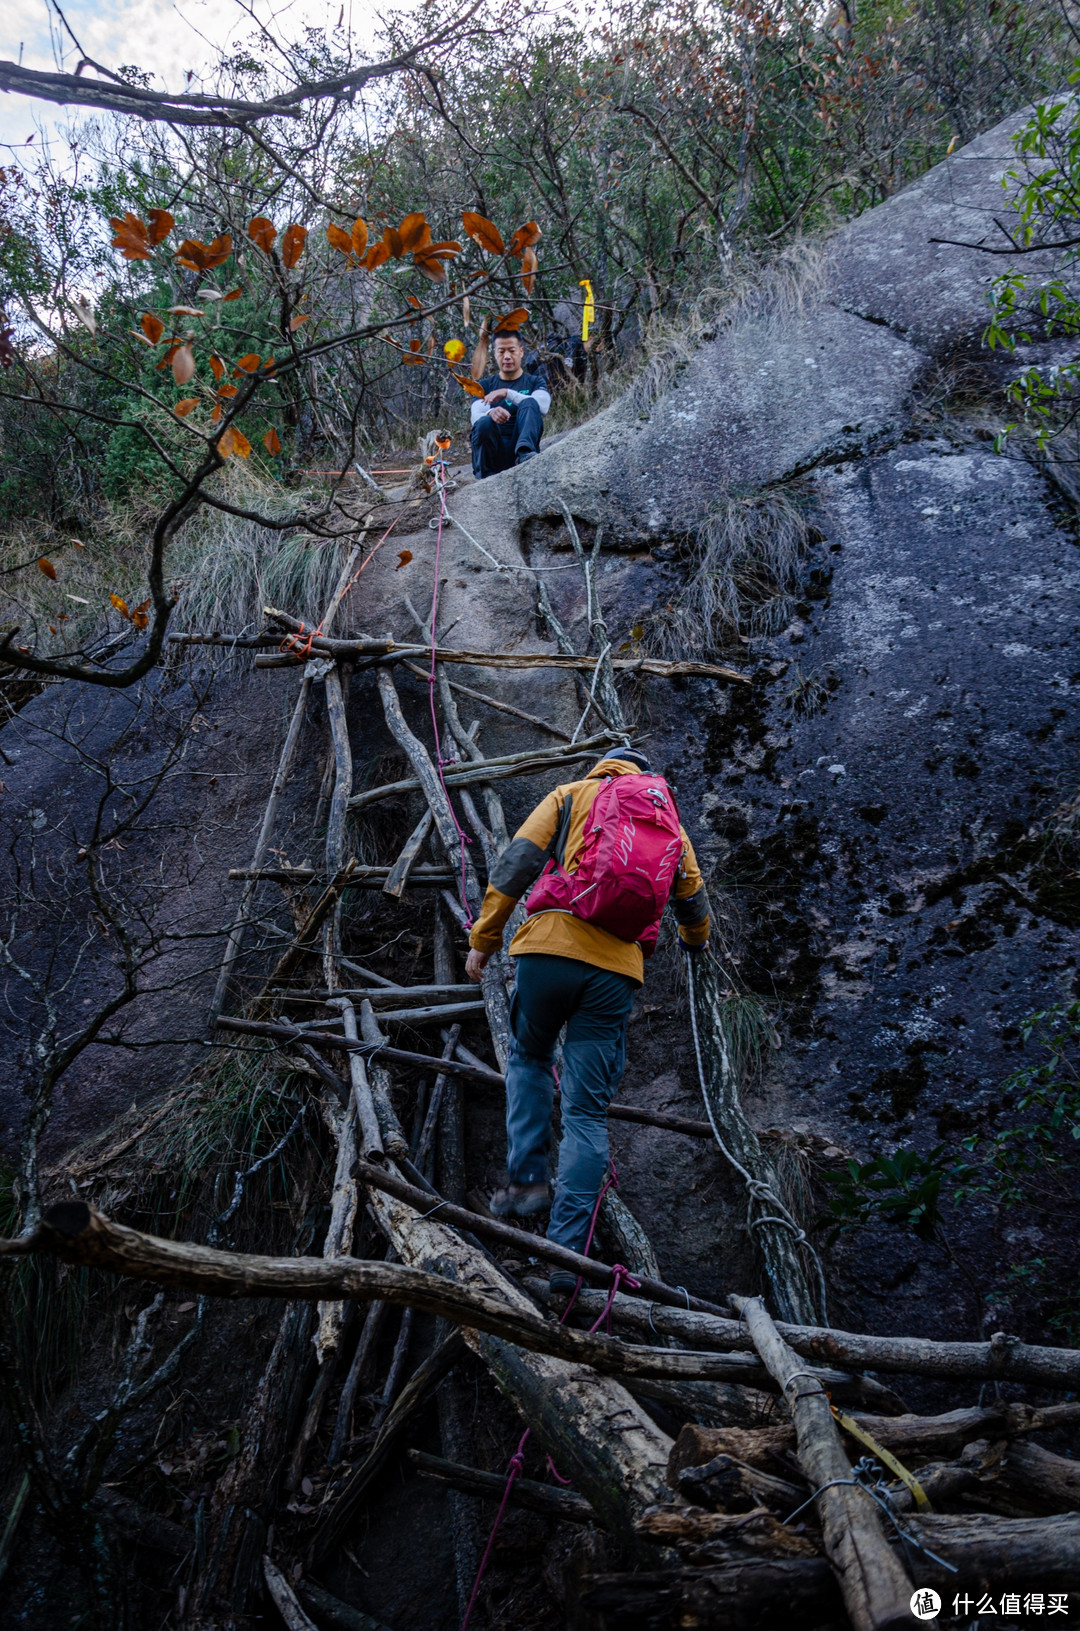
[562, 831]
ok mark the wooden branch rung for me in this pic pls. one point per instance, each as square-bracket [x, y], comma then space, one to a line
[388, 650]
[480, 770]
[426, 875]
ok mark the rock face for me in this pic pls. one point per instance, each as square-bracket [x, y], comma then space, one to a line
[864, 808]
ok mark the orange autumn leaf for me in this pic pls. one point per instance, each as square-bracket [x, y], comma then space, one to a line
[272, 441]
[152, 326]
[528, 269]
[185, 311]
[483, 232]
[185, 407]
[217, 367]
[339, 239]
[469, 386]
[215, 417]
[183, 364]
[263, 233]
[161, 224]
[431, 267]
[46, 566]
[377, 255]
[298, 321]
[233, 294]
[139, 617]
[523, 239]
[415, 232]
[121, 606]
[248, 364]
[292, 245]
[403, 559]
[392, 239]
[227, 390]
[131, 237]
[359, 237]
[234, 442]
[200, 257]
[512, 321]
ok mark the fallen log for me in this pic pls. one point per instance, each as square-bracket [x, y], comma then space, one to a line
[904, 1435]
[873, 1583]
[729, 1485]
[1003, 1358]
[551, 1502]
[986, 1553]
[74, 1232]
[755, 1594]
[387, 650]
[1050, 1481]
[613, 1453]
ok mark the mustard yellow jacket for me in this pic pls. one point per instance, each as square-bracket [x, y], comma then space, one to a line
[559, 934]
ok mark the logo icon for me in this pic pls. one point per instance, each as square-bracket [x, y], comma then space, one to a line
[925, 1604]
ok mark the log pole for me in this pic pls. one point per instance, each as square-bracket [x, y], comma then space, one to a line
[874, 1584]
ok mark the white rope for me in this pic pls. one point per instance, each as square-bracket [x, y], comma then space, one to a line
[592, 696]
[504, 566]
[759, 1190]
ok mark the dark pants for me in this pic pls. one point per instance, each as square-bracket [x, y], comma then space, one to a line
[594, 1005]
[500, 447]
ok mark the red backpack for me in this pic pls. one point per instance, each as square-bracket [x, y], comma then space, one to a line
[629, 856]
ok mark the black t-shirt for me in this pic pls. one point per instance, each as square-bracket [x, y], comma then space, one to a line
[525, 383]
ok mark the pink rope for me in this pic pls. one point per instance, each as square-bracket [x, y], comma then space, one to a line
[517, 1467]
[463, 837]
[621, 1276]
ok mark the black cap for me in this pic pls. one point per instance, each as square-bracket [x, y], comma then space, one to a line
[631, 756]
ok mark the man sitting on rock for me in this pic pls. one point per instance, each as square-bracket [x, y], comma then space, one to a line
[508, 422]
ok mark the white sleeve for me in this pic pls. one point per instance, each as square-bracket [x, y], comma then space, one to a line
[479, 409]
[541, 397]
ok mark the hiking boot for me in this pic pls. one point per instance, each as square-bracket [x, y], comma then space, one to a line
[520, 1200]
[561, 1283]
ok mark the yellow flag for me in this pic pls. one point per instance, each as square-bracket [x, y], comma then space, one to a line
[588, 311]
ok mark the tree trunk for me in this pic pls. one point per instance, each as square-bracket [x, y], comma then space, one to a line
[875, 1587]
[777, 1241]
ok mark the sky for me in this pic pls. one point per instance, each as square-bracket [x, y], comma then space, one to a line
[167, 37]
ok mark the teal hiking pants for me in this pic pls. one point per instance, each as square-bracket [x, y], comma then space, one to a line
[594, 1005]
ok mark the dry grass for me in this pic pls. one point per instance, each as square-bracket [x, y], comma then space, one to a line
[744, 571]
